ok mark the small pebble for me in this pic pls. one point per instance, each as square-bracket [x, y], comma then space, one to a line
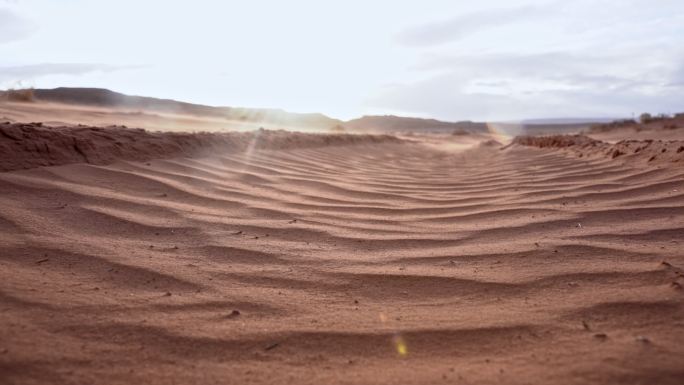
[643, 340]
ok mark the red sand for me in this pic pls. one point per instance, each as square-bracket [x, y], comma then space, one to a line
[658, 151]
[383, 262]
[32, 145]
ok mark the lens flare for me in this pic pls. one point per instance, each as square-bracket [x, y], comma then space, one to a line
[383, 318]
[400, 345]
[397, 340]
[505, 132]
[249, 152]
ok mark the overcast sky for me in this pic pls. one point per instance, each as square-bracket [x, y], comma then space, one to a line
[453, 60]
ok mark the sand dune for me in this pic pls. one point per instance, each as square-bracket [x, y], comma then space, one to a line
[649, 150]
[32, 145]
[347, 261]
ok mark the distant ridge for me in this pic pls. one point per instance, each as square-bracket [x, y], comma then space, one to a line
[391, 123]
[99, 97]
[277, 118]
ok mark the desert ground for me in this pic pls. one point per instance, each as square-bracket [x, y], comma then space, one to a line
[281, 258]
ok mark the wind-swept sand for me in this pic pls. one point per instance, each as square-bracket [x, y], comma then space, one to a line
[383, 263]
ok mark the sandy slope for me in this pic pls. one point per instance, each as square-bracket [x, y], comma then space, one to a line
[378, 263]
[29, 145]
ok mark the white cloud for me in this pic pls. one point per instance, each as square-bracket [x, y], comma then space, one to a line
[441, 57]
[438, 98]
[582, 58]
[13, 26]
[28, 73]
[461, 26]
[555, 84]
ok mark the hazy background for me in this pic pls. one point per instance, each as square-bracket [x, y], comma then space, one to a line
[493, 60]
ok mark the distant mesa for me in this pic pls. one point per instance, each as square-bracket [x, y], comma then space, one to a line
[99, 97]
[277, 118]
[103, 98]
[391, 123]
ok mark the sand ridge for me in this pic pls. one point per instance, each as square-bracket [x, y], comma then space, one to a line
[29, 145]
[385, 263]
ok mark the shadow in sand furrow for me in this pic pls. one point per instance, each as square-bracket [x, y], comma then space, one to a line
[162, 193]
[547, 171]
[229, 254]
[8, 225]
[328, 200]
[243, 195]
[292, 192]
[616, 315]
[553, 165]
[494, 216]
[389, 244]
[177, 168]
[47, 197]
[225, 163]
[417, 287]
[557, 252]
[416, 343]
[329, 235]
[220, 308]
[311, 283]
[136, 181]
[588, 219]
[289, 345]
[613, 279]
[396, 212]
[360, 228]
[560, 194]
[666, 373]
[222, 168]
[226, 180]
[629, 193]
[581, 176]
[270, 213]
[650, 176]
[634, 214]
[182, 189]
[323, 171]
[361, 220]
[446, 201]
[593, 222]
[12, 302]
[96, 269]
[195, 184]
[675, 199]
[675, 234]
[476, 191]
[276, 162]
[498, 234]
[339, 191]
[36, 371]
[137, 214]
[94, 222]
[438, 186]
[286, 231]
